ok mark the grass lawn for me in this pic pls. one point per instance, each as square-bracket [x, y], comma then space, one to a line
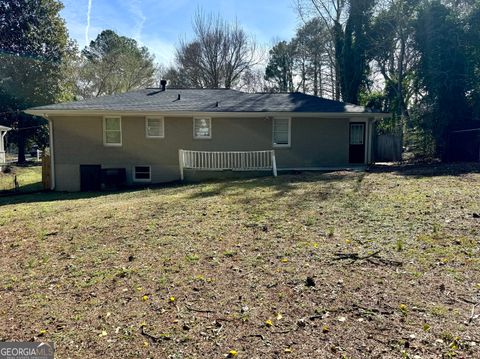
[391, 256]
[29, 179]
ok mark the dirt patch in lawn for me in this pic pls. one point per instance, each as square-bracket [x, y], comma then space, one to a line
[383, 264]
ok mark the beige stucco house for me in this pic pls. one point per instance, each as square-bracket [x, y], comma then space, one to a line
[138, 135]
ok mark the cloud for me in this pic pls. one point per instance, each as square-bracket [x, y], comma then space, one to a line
[136, 10]
[87, 28]
[163, 49]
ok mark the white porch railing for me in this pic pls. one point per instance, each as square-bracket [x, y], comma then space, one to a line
[227, 160]
[2, 157]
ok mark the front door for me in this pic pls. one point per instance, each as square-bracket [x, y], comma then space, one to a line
[357, 142]
[90, 178]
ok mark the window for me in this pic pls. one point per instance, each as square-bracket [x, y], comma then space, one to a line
[142, 174]
[154, 127]
[112, 131]
[281, 132]
[202, 128]
[357, 133]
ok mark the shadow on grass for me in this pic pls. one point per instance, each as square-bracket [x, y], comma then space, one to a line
[421, 170]
[282, 185]
[10, 198]
[24, 189]
[32, 187]
[52, 196]
[220, 187]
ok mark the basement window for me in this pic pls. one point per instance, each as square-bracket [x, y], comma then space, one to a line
[202, 128]
[142, 174]
[154, 127]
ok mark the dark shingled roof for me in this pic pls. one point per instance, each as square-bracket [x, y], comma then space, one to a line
[205, 100]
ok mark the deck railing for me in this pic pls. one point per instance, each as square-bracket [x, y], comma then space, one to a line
[227, 160]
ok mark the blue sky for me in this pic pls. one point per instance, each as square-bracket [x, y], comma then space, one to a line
[159, 24]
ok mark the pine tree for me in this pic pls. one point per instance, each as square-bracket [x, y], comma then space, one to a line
[34, 48]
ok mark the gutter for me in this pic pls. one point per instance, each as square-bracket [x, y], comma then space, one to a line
[3, 133]
[213, 114]
[52, 155]
[471, 130]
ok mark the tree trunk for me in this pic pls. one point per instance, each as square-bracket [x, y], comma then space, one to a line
[320, 80]
[337, 82]
[304, 77]
[339, 39]
[333, 82]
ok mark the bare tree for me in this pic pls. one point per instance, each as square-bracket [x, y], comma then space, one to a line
[253, 80]
[218, 55]
[195, 67]
[348, 22]
[394, 54]
[313, 46]
[333, 13]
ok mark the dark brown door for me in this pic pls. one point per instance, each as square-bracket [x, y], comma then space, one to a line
[357, 142]
[90, 178]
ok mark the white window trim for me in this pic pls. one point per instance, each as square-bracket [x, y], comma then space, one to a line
[144, 180]
[105, 132]
[289, 132]
[162, 119]
[202, 137]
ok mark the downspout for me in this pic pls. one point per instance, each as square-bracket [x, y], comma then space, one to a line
[366, 158]
[52, 154]
[3, 140]
[372, 139]
[2, 148]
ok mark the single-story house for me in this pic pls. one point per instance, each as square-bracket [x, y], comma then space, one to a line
[153, 135]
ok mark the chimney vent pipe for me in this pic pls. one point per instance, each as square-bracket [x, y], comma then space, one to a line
[163, 84]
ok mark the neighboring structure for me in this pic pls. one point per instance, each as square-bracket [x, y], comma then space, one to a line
[3, 132]
[464, 144]
[137, 136]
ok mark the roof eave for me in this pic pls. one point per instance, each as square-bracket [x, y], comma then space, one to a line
[46, 113]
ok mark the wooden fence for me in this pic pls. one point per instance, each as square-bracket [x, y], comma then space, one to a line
[388, 148]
